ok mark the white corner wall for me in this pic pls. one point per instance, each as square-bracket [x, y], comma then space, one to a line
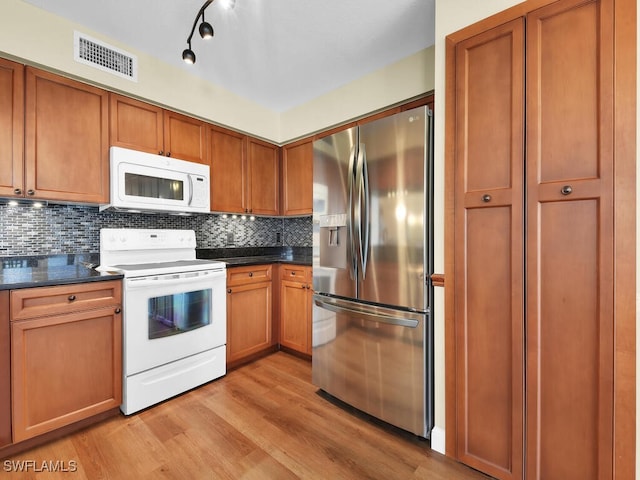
[407, 78]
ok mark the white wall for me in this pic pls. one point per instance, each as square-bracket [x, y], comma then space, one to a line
[407, 78]
[450, 17]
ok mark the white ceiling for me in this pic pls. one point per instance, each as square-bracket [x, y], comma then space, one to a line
[277, 53]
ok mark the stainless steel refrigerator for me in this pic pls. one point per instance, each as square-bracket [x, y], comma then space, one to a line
[372, 263]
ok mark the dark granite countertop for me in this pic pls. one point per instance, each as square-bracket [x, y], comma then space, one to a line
[239, 257]
[48, 270]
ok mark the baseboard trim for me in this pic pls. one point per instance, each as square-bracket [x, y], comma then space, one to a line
[438, 440]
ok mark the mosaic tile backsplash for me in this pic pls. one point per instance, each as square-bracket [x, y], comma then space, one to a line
[59, 229]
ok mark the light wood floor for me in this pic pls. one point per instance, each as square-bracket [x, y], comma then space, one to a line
[262, 421]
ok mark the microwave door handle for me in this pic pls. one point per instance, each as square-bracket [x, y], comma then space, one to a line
[190, 189]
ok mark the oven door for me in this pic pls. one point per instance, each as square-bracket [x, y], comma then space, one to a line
[172, 316]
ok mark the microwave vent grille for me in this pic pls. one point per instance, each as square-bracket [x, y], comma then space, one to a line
[105, 57]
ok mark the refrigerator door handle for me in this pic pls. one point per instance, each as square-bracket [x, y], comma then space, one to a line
[361, 209]
[373, 315]
[366, 224]
[351, 253]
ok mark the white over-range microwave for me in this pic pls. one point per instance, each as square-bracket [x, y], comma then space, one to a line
[152, 183]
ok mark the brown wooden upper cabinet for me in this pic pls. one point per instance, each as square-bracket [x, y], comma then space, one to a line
[244, 173]
[142, 126]
[66, 140]
[11, 128]
[297, 178]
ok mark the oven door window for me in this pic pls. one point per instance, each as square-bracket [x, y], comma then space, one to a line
[179, 313]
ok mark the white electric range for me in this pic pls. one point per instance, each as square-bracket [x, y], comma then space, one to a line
[174, 313]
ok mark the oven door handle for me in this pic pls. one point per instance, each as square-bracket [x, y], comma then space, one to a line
[173, 279]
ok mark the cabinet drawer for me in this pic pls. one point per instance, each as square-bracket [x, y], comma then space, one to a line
[249, 274]
[42, 301]
[295, 273]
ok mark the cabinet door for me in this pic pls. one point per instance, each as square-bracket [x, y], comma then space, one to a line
[185, 137]
[64, 368]
[11, 128]
[570, 224]
[66, 139]
[248, 320]
[488, 250]
[297, 178]
[5, 370]
[135, 124]
[294, 315]
[263, 177]
[227, 158]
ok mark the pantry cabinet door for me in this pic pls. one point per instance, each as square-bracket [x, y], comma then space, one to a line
[570, 277]
[66, 139]
[489, 250]
[11, 128]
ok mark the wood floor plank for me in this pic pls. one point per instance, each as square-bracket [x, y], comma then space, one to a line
[264, 420]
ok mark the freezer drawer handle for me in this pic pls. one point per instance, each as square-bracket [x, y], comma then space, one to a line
[380, 317]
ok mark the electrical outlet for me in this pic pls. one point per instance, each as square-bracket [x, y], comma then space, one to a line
[230, 240]
[278, 238]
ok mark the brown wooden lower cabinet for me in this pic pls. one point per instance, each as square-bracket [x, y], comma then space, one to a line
[249, 312]
[295, 308]
[5, 370]
[66, 365]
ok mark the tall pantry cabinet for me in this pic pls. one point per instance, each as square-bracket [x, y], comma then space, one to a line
[536, 308]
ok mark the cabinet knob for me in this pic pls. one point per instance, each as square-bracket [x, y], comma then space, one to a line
[228, 290]
[118, 310]
[161, 152]
[293, 274]
[72, 298]
[566, 190]
[168, 154]
[308, 287]
[251, 274]
[17, 191]
[31, 192]
[486, 198]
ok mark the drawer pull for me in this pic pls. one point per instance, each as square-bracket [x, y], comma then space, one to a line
[228, 290]
[293, 274]
[72, 298]
[251, 274]
[486, 198]
[118, 310]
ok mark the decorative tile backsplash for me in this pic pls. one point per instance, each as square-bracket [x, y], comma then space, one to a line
[57, 229]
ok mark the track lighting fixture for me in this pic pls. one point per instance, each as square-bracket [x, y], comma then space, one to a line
[205, 29]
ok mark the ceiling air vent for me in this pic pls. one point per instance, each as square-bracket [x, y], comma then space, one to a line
[105, 57]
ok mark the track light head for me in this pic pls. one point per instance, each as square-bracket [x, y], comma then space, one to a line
[188, 56]
[205, 29]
